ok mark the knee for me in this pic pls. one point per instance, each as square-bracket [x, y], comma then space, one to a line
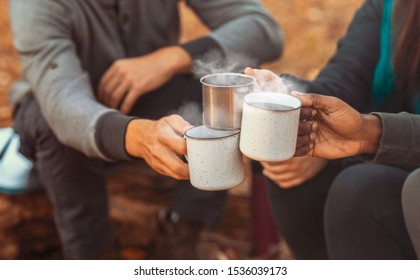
[354, 190]
[411, 187]
[351, 185]
[411, 191]
[370, 189]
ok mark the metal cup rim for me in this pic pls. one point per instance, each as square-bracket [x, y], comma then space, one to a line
[227, 74]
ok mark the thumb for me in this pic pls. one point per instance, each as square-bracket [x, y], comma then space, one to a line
[178, 123]
[313, 100]
[249, 71]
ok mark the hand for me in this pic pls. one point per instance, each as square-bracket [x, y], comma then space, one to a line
[265, 80]
[293, 172]
[128, 79]
[338, 129]
[159, 143]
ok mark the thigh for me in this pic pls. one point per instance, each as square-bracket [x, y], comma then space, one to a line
[363, 215]
[298, 213]
[74, 183]
[411, 208]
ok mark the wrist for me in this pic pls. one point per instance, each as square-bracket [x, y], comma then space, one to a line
[134, 137]
[371, 134]
[178, 60]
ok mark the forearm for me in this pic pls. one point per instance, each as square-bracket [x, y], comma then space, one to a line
[240, 36]
[80, 122]
[239, 26]
[176, 59]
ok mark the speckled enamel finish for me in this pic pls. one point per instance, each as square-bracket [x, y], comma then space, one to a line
[269, 135]
[214, 163]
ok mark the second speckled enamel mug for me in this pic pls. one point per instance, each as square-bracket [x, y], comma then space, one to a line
[214, 159]
[270, 122]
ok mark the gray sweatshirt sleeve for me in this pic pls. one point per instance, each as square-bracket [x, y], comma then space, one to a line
[43, 39]
[400, 140]
[241, 26]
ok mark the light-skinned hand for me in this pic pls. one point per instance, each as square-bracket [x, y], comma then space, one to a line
[265, 80]
[129, 78]
[293, 172]
[159, 143]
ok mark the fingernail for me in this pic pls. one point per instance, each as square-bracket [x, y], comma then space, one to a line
[312, 136]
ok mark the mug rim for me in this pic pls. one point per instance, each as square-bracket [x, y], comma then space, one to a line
[231, 133]
[272, 93]
[253, 80]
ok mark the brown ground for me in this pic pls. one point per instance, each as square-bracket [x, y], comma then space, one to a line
[311, 28]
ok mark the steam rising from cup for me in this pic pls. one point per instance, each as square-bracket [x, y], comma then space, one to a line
[191, 112]
[215, 62]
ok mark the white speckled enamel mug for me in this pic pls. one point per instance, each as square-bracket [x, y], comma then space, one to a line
[214, 159]
[270, 122]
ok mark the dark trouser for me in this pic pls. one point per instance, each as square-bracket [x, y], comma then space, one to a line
[363, 214]
[76, 185]
[411, 207]
[357, 215]
[298, 213]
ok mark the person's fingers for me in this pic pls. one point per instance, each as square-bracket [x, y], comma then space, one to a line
[249, 71]
[284, 180]
[305, 98]
[304, 140]
[174, 142]
[318, 101]
[168, 164]
[307, 113]
[104, 83]
[115, 98]
[129, 100]
[305, 127]
[178, 123]
[304, 144]
[303, 151]
[176, 168]
[170, 137]
[291, 183]
[282, 166]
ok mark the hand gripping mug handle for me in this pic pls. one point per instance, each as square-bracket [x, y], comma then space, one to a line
[184, 158]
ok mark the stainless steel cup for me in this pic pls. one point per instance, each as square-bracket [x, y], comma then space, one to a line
[223, 95]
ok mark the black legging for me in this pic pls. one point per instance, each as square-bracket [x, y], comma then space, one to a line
[299, 211]
[361, 213]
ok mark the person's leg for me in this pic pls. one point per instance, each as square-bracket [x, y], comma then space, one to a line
[411, 208]
[363, 214]
[182, 95]
[298, 213]
[74, 184]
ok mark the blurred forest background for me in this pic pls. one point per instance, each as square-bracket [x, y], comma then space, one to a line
[312, 29]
